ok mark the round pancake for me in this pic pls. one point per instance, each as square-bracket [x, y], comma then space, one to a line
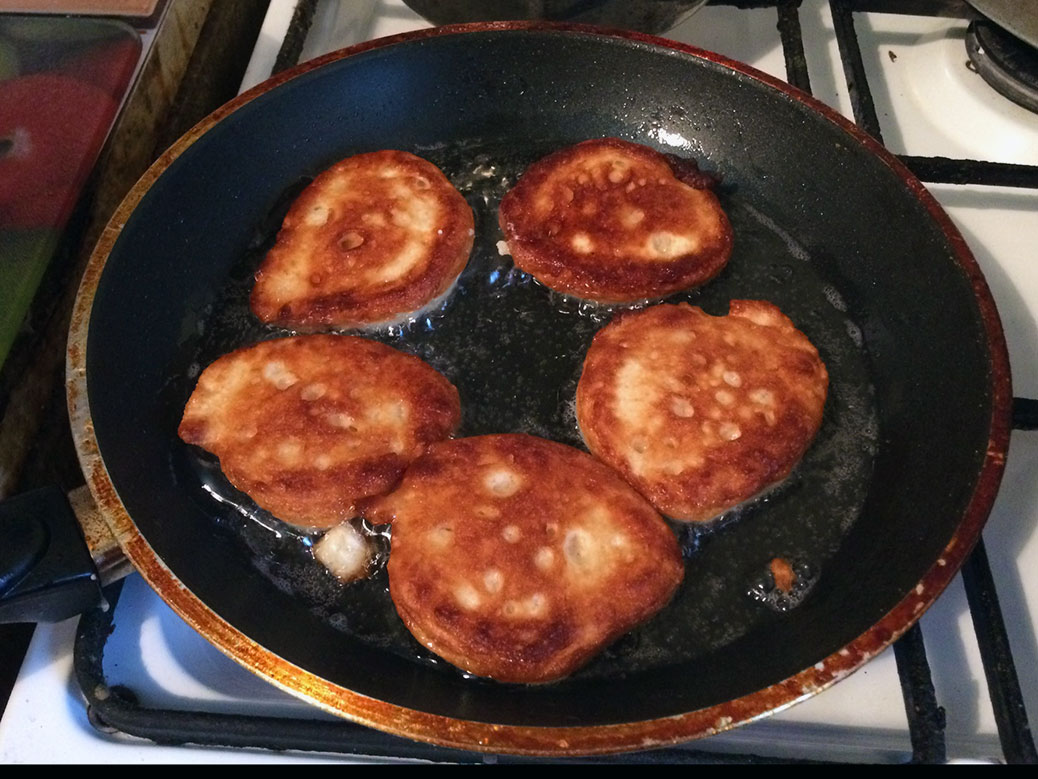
[374, 238]
[700, 413]
[517, 558]
[309, 425]
[614, 221]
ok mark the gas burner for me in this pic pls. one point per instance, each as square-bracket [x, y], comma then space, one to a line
[932, 101]
[1005, 62]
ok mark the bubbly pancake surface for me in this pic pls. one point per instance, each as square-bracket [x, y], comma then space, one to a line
[309, 425]
[374, 238]
[701, 413]
[614, 221]
[517, 558]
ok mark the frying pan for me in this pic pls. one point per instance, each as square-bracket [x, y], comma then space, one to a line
[828, 226]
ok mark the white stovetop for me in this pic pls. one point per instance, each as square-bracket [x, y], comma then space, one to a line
[929, 105]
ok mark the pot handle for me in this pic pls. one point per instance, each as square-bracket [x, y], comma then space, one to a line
[57, 554]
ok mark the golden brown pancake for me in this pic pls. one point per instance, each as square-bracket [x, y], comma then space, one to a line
[309, 425]
[374, 238]
[517, 559]
[700, 413]
[610, 221]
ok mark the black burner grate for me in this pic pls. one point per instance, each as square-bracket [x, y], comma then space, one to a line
[115, 708]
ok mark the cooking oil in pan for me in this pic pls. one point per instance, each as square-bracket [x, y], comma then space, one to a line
[283, 553]
[515, 349]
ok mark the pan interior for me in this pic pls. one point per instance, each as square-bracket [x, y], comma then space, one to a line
[822, 229]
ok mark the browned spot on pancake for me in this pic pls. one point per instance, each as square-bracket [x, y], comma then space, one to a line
[608, 220]
[307, 426]
[372, 239]
[573, 559]
[700, 413]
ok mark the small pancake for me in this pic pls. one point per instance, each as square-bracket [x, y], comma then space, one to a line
[613, 221]
[374, 238]
[309, 425]
[700, 413]
[517, 559]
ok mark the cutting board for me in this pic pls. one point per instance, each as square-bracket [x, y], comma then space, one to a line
[62, 81]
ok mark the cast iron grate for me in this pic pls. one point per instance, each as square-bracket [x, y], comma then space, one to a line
[115, 709]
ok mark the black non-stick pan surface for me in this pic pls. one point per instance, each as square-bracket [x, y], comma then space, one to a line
[827, 226]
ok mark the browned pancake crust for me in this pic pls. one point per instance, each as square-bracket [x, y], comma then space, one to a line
[518, 559]
[373, 238]
[307, 426]
[609, 220]
[697, 412]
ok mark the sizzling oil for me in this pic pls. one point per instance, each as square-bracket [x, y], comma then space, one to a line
[515, 349]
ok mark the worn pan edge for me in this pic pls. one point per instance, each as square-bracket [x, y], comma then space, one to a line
[526, 740]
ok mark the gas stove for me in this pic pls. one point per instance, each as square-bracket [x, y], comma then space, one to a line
[906, 78]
